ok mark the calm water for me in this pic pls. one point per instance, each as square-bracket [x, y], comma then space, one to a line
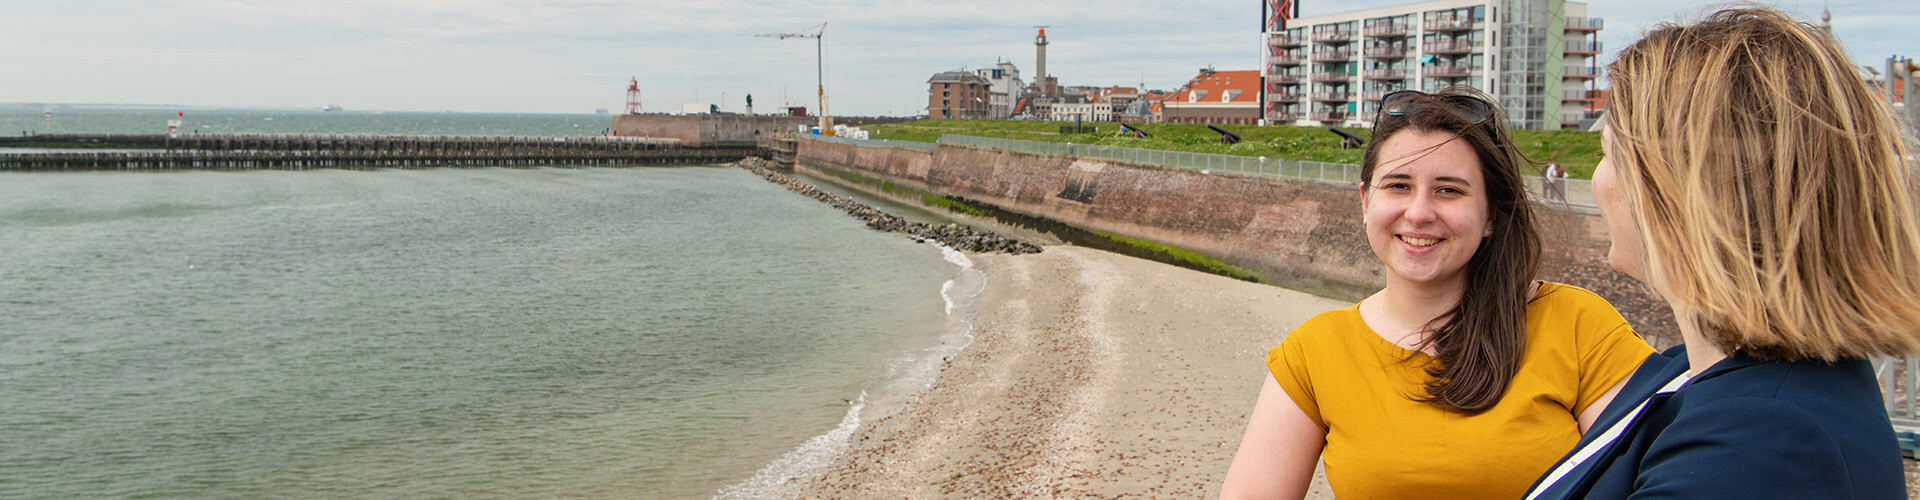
[18, 119]
[491, 333]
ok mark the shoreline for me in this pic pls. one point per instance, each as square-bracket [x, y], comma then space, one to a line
[912, 373]
[1091, 374]
[1084, 372]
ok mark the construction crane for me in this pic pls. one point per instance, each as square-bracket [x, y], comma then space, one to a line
[819, 32]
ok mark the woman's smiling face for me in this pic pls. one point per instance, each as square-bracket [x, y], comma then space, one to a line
[1426, 208]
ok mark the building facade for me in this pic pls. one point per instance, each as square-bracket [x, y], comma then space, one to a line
[958, 95]
[1004, 91]
[1537, 58]
[1217, 97]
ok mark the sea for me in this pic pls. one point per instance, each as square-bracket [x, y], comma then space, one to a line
[650, 332]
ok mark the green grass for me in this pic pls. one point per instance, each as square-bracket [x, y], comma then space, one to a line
[1575, 150]
[1184, 257]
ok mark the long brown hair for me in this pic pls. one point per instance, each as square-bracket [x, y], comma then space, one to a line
[1478, 344]
[1771, 188]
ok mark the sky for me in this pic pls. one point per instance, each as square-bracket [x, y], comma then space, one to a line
[574, 56]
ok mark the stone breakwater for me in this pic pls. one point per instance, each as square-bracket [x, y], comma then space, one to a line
[953, 236]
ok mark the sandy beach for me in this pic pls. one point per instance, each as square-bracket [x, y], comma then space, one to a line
[1092, 375]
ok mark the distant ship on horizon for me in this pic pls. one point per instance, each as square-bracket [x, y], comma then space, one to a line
[332, 107]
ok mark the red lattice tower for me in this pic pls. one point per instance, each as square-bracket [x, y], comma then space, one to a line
[633, 96]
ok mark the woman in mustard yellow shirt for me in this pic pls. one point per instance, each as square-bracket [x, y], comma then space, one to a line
[1463, 378]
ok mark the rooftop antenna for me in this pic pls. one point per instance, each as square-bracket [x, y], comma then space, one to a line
[819, 32]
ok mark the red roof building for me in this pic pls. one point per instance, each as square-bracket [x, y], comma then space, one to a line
[1217, 97]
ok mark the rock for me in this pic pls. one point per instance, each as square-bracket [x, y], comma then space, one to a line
[951, 235]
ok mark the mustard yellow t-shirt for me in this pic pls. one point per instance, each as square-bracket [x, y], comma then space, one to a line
[1382, 444]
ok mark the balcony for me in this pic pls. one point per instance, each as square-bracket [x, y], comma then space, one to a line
[1448, 70]
[1386, 51]
[1283, 96]
[1283, 78]
[1375, 94]
[1449, 24]
[1288, 58]
[1333, 35]
[1585, 24]
[1582, 72]
[1386, 74]
[1340, 96]
[1286, 40]
[1333, 55]
[1448, 46]
[1577, 95]
[1283, 116]
[1574, 118]
[1583, 47]
[1332, 115]
[1386, 30]
[1329, 76]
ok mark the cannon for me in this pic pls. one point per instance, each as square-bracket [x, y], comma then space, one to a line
[1347, 139]
[1135, 131]
[1226, 136]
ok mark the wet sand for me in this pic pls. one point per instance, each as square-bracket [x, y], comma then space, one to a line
[1091, 375]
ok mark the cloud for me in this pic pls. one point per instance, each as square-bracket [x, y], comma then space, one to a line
[576, 55]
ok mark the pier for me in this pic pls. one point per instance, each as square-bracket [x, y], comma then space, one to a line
[335, 151]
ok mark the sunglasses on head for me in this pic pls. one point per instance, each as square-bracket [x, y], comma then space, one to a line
[1469, 108]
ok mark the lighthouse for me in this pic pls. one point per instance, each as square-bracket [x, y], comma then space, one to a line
[1040, 61]
[633, 96]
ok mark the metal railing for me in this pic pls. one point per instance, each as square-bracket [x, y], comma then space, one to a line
[1449, 23]
[1448, 70]
[1386, 51]
[1583, 71]
[1898, 379]
[1448, 46]
[1574, 193]
[1591, 23]
[1386, 29]
[1332, 35]
[877, 143]
[1333, 55]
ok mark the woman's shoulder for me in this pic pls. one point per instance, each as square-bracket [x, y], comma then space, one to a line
[1560, 301]
[1562, 295]
[1336, 323]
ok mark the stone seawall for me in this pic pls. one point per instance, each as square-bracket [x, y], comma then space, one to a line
[703, 129]
[1300, 234]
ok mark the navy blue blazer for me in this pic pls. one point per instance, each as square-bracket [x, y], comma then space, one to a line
[1744, 428]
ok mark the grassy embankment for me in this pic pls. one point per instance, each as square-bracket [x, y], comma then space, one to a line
[1092, 239]
[1575, 150]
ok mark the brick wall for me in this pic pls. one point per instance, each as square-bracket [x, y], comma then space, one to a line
[1299, 234]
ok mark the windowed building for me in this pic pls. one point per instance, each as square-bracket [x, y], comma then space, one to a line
[1217, 97]
[1005, 89]
[958, 95]
[1536, 57]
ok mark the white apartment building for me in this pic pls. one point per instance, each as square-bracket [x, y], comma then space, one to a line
[1005, 91]
[1084, 111]
[1536, 57]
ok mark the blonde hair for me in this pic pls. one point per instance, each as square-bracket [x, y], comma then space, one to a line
[1772, 190]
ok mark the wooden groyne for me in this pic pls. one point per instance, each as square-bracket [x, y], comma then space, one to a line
[334, 151]
[783, 152]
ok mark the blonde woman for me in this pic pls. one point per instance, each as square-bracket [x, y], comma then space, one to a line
[1752, 180]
